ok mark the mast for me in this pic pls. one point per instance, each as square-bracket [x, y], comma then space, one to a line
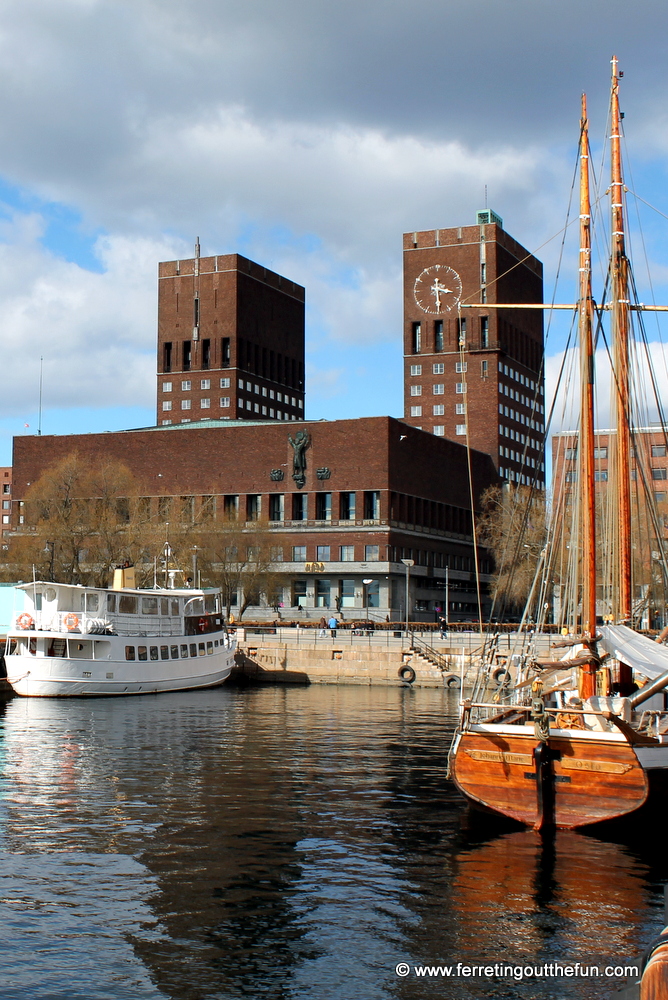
[620, 338]
[585, 318]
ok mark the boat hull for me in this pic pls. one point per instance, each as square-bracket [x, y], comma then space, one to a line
[68, 678]
[596, 778]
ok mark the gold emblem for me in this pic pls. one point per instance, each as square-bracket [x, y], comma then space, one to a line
[501, 756]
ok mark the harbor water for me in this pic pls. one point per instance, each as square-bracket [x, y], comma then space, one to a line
[292, 842]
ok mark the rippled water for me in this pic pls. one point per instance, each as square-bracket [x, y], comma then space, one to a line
[285, 843]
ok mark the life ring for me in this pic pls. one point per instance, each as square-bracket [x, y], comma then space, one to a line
[203, 624]
[70, 621]
[25, 620]
[407, 674]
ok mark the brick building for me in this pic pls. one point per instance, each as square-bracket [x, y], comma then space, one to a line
[469, 367]
[230, 341]
[373, 491]
[6, 490]
[649, 471]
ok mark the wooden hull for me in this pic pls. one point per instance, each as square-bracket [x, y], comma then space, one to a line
[596, 777]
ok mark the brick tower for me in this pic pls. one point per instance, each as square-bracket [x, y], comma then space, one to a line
[469, 366]
[230, 341]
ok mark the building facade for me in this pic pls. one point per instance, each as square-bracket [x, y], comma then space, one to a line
[471, 370]
[345, 501]
[230, 341]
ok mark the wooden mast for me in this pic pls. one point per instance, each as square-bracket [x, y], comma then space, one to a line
[620, 338]
[586, 463]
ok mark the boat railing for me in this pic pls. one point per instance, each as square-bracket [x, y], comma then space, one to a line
[74, 622]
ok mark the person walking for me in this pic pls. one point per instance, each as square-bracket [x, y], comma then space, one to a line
[332, 626]
[323, 626]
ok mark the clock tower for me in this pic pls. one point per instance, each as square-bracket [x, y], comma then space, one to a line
[473, 371]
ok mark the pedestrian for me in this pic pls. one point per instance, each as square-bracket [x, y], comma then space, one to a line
[323, 626]
[443, 622]
[332, 625]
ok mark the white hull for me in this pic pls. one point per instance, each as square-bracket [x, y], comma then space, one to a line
[64, 678]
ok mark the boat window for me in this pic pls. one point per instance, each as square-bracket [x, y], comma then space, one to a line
[142, 650]
[209, 648]
[202, 651]
[33, 646]
[111, 602]
[149, 605]
[12, 647]
[215, 642]
[92, 602]
[175, 652]
[154, 652]
[164, 652]
[127, 605]
[129, 652]
[175, 607]
[210, 602]
[193, 649]
[50, 594]
[184, 651]
[38, 600]
[164, 606]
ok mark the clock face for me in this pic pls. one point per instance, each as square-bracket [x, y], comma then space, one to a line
[438, 289]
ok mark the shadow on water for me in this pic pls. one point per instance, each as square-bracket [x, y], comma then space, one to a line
[294, 844]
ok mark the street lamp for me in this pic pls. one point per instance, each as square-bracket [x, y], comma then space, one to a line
[407, 563]
[366, 596]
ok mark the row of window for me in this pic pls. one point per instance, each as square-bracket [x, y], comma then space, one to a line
[516, 456]
[175, 652]
[323, 553]
[439, 342]
[323, 506]
[571, 454]
[186, 384]
[522, 379]
[263, 391]
[521, 478]
[506, 390]
[601, 475]
[438, 389]
[460, 368]
[186, 404]
[520, 438]
[521, 418]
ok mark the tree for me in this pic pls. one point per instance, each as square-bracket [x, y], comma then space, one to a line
[513, 527]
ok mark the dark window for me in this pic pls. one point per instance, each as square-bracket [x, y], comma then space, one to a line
[276, 507]
[167, 357]
[175, 652]
[184, 652]
[484, 331]
[417, 338]
[154, 652]
[206, 353]
[347, 507]
[193, 649]
[225, 353]
[659, 474]
[438, 335]
[371, 505]
[202, 650]
[658, 451]
[164, 652]
[127, 605]
[209, 648]
[187, 348]
[252, 506]
[142, 651]
[323, 506]
[299, 506]
[129, 652]
[196, 312]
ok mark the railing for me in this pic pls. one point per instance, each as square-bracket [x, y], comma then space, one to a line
[69, 622]
[429, 653]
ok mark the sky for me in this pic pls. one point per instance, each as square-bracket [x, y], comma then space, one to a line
[307, 135]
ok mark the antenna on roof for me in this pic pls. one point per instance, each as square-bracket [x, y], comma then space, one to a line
[41, 370]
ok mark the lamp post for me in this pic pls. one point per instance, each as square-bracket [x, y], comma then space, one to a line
[50, 547]
[366, 596]
[407, 563]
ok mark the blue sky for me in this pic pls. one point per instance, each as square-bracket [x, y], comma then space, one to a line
[309, 142]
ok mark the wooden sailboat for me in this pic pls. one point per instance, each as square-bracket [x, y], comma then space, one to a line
[555, 756]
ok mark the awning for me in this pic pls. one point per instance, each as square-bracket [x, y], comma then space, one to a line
[649, 658]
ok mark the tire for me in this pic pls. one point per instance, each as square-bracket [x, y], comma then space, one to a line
[500, 676]
[407, 674]
[452, 681]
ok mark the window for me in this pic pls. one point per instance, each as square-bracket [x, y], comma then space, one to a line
[299, 553]
[416, 369]
[660, 497]
[6, 488]
[658, 451]
[253, 506]
[129, 652]
[298, 592]
[167, 357]
[224, 401]
[461, 323]
[459, 387]
[323, 506]
[460, 429]
[205, 404]
[149, 605]
[322, 593]
[347, 553]
[205, 383]
[371, 505]
[460, 407]
[5, 518]
[224, 383]
[417, 338]
[438, 410]
[461, 366]
[659, 474]
[164, 652]
[484, 365]
[484, 331]
[347, 506]
[186, 386]
[186, 404]
[439, 389]
[600, 476]
[276, 554]
[299, 506]
[347, 592]
[371, 553]
[166, 404]
[127, 605]
[438, 369]
[166, 386]
[439, 430]
[572, 454]
[571, 477]
[416, 411]
[416, 390]
[276, 506]
[322, 553]
[175, 652]
[600, 452]
[438, 335]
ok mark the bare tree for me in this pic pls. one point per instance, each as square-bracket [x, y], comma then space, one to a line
[240, 557]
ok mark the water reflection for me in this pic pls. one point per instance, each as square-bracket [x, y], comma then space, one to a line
[286, 844]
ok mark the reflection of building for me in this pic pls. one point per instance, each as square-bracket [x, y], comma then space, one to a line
[230, 341]
[374, 491]
[476, 368]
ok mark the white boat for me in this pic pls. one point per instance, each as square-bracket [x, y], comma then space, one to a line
[73, 641]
